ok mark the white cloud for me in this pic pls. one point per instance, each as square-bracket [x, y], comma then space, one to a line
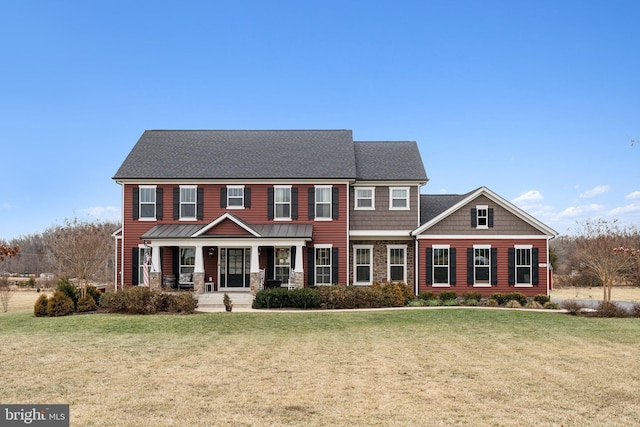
[7, 205]
[634, 195]
[595, 191]
[102, 213]
[634, 207]
[528, 197]
[575, 211]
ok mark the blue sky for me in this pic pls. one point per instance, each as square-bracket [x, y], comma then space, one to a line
[537, 100]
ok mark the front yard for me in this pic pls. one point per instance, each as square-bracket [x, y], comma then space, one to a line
[403, 367]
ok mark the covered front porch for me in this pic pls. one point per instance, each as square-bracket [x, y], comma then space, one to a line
[225, 255]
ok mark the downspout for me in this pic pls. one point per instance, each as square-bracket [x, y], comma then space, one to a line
[549, 276]
[348, 251]
[122, 243]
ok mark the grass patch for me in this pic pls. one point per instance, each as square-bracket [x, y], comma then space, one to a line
[326, 368]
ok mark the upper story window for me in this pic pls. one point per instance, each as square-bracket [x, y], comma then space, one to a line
[399, 198]
[147, 202]
[365, 198]
[482, 216]
[323, 202]
[188, 200]
[282, 202]
[235, 196]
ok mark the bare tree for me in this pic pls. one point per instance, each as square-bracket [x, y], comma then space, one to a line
[5, 291]
[594, 248]
[80, 249]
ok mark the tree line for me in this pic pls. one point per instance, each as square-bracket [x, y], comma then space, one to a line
[79, 249]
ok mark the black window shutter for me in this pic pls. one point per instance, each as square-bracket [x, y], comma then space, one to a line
[176, 203]
[470, 266]
[334, 202]
[494, 266]
[512, 266]
[135, 263]
[490, 220]
[247, 197]
[311, 274]
[159, 202]
[294, 203]
[200, 203]
[136, 202]
[312, 203]
[474, 218]
[534, 266]
[293, 260]
[223, 197]
[269, 203]
[452, 266]
[429, 266]
[270, 264]
[335, 277]
[176, 262]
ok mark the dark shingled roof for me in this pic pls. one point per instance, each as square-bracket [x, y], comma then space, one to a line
[241, 154]
[391, 160]
[432, 205]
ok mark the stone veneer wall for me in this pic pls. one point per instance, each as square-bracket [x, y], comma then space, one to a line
[380, 259]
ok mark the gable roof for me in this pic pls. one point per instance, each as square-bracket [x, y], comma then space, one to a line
[445, 205]
[389, 161]
[240, 154]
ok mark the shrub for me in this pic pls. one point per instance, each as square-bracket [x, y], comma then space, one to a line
[40, 307]
[542, 299]
[513, 304]
[59, 305]
[551, 306]
[611, 309]
[397, 294]
[164, 302]
[69, 289]
[417, 303]
[503, 299]
[86, 303]
[471, 302]
[93, 292]
[304, 298]
[492, 302]
[113, 302]
[450, 302]
[271, 298]
[572, 307]
[447, 295]
[139, 300]
[427, 296]
[534, 304]
[471, 296]
[433, 302]
[635, 310]
[184, 302]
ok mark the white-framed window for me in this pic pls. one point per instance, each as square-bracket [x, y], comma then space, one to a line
[235, 196]
[188, 201]
[441, 267]
[147, 202]
[362, 264]
[282, 264]
[187, 265]
[144, 257]
[282, 202]
[399, 198]
[323, 202]
[323, 265]
[481, 265]
[397, 263]
[365, 198]
[482, 216]
[523, 265]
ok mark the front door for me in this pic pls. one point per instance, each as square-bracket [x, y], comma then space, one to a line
[235, 268]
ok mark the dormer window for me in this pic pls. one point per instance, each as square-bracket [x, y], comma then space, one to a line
[481, 217]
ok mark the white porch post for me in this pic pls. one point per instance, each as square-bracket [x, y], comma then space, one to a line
[255, 259]
[198, 270]
[299, 265]
[156, 267]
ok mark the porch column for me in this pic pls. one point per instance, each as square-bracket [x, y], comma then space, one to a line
[298, 271]
[254, 274]
[198, 270]
[155, 272]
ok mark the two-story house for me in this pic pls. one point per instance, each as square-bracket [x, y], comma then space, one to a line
[241, 210]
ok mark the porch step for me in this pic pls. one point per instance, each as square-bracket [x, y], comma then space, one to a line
[213, 301]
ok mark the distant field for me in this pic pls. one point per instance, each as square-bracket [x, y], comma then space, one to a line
[618, 293]
[439, 367]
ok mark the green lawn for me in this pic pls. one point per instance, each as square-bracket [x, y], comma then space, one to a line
[403, 367]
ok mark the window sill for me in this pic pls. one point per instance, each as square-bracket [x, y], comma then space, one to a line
[481, 285]
[282, 219]
[441, 285]
[482, 227]
[235, 207]
[323, 219]
[147, 219]
[523, 285]
[188, 219]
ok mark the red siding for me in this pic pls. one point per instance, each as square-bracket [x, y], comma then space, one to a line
[503, 246]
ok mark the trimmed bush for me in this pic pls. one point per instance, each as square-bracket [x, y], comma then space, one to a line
[513, 304]
[534, 305]
[93, 292]
[59, 305]
[471, 302]
[426, 296]
[86, 303]
[142, 300]
[69, 289]
[492, 302]
[184, 302]
[304, 298]
[542, 299]
[611, 309]
[471, 296]
[551, 306]
[503, 299]
[396, 294]
[450, 302]
[40, 306]
[447, 295]
[433, 303]
[572, 307]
